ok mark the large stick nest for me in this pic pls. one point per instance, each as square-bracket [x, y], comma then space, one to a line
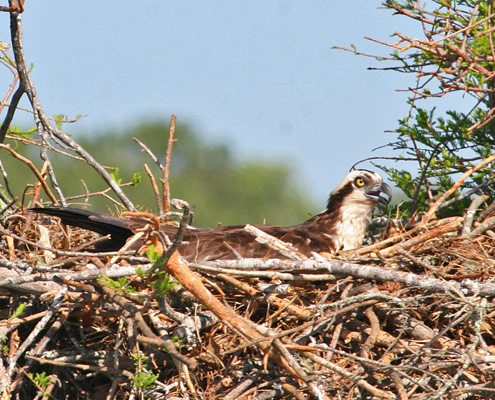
[410, 317]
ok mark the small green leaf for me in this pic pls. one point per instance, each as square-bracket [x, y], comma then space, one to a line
[152, 254]
[114, 173]
[136, 179]
[19, 311]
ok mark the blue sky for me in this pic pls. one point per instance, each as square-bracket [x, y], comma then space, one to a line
[260, 75]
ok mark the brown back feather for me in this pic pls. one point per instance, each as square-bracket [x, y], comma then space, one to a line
[232, 241]
[220, 243]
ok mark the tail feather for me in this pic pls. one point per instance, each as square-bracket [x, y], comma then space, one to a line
[100, 223]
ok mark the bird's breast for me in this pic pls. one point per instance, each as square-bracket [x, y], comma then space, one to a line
[351, 228]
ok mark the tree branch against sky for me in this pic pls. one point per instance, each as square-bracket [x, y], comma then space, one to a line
[454, 56]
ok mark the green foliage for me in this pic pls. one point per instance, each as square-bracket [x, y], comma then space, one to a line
[42, 380]
[455, 56]
[122, 284]
[60, 119]
[19, 311]
[163, 282]
[7, 60]
[142, 379]
[114, 173]
[136, 179]
[25, 134]
[443, 149]
[180, 342]
[153, 256]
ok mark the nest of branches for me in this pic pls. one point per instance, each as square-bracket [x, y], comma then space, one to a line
[407, 317]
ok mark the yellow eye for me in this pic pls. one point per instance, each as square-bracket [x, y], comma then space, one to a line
[359, 182]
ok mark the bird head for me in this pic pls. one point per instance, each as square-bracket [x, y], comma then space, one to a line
[360, 187]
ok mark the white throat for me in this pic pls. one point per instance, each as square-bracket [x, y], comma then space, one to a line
[352, 226]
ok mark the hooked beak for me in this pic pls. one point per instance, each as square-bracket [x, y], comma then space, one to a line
[376, 192]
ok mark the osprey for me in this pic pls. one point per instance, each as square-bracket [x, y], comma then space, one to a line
[341, 226]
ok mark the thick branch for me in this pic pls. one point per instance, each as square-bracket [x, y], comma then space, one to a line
[369, 272]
